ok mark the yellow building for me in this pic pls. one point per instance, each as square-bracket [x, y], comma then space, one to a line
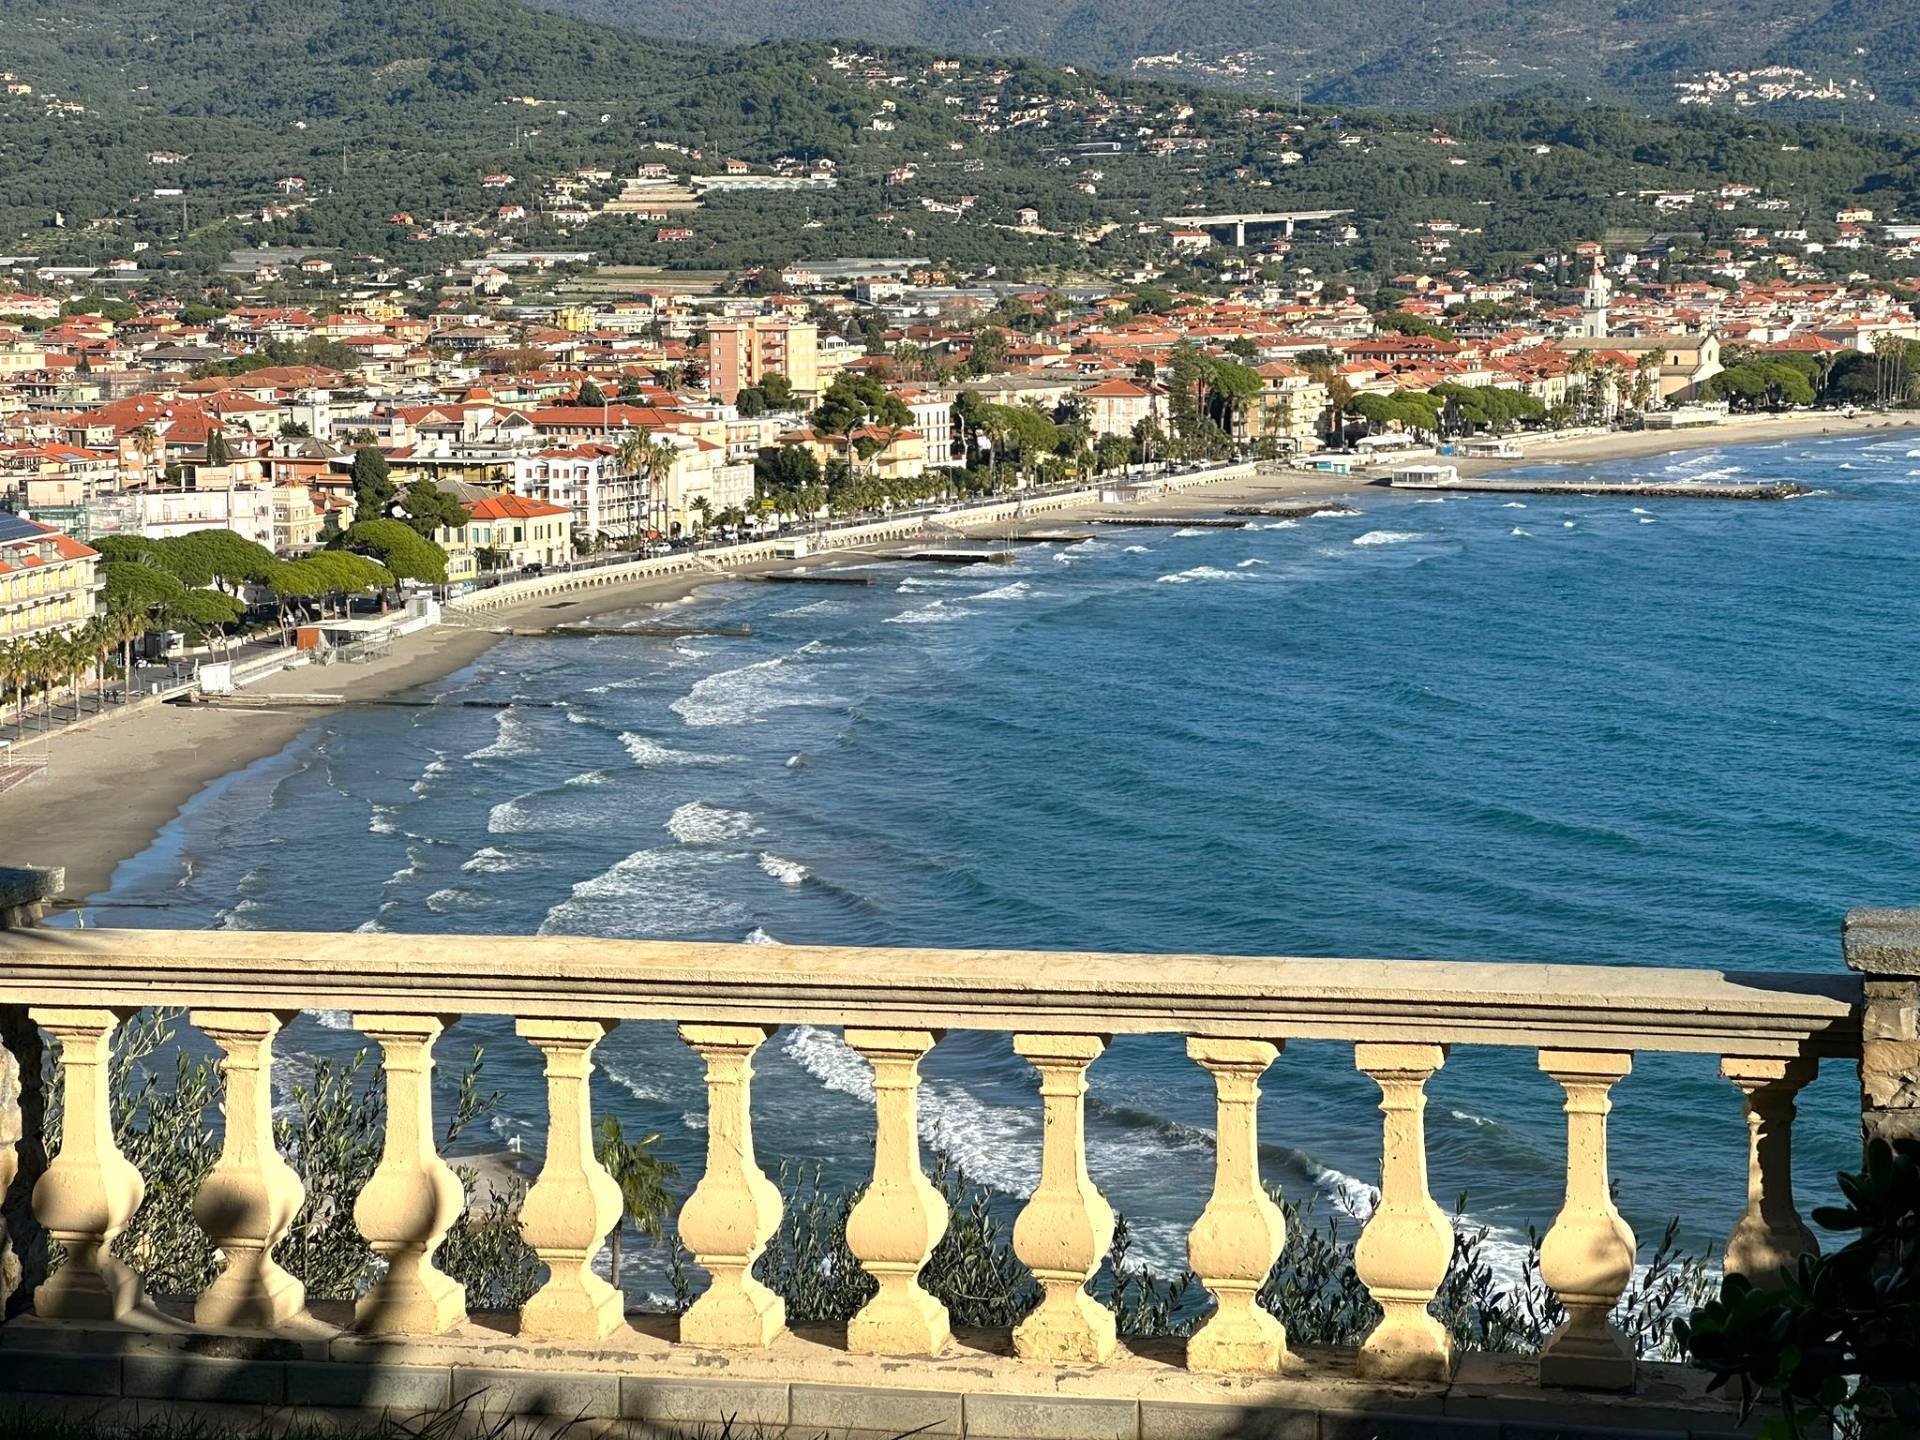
[521, 532]
[1288, 411]
[47, 583]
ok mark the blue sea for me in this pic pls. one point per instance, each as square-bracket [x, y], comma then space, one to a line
[1652, 732]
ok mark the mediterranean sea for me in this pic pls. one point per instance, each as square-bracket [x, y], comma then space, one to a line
[1646, 732]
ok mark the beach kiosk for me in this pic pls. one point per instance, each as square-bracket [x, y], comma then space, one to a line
[1424, 477]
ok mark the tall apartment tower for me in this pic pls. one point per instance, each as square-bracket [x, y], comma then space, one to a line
[740, 353]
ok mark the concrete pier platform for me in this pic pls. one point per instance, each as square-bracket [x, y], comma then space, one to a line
[799, 577]
[1663, 491]
[958, 556]
[1054, 537]
[1176, 522]
[1294, 512]
[646, 632]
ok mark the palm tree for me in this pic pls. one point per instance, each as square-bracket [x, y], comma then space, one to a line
[641, 454]
[129, 624]
[41, 654]
[67, 658]
[1579, 368]
[146, 440]
[641, 1176]
[100, 636]
[15, 668]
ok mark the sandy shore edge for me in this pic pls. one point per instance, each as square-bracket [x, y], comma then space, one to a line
[112, 789]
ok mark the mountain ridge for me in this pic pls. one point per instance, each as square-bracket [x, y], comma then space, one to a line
[1394, 53]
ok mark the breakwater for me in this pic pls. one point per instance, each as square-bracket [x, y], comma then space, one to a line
[1653, 490]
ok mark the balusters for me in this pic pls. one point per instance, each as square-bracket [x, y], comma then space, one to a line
[90, 1191]
[1066, 1228]
[575, 1203]
[901, 1217]
[1770, 1237]
[249, 1199]
[735, 1209]
[1587, 1257]
[23, 1159]
[1405, 1249]
[1234, 1244]
[413, 1197]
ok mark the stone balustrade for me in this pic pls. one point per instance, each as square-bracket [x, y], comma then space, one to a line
[1765, 1033]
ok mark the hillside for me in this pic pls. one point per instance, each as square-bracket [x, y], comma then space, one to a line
[147, 114]
[1414, 53]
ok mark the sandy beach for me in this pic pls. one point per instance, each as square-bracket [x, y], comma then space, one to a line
[112, 787]
[1740, 430]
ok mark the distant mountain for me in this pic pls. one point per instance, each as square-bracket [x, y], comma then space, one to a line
[408, 137]
[1857, 56]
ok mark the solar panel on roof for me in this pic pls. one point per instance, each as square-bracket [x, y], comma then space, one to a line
[12, 527]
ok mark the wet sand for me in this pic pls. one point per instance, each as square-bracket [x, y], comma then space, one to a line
[112, 787]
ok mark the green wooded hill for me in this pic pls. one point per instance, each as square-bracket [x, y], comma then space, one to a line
[1421, 53]
[383, 109]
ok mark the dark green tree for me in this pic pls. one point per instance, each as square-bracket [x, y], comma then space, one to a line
[373, 489]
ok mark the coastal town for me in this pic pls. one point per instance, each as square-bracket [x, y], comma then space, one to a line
[181, 476]
[1012, 722]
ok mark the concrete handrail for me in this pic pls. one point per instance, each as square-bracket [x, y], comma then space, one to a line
[1443, 1002]
[566, 994]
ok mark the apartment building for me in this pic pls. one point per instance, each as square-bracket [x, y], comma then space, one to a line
[47, 580]
[741, 353]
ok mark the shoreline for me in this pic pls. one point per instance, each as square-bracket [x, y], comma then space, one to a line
[111, 789]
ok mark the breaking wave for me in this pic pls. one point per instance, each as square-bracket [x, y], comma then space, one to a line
[698, 823]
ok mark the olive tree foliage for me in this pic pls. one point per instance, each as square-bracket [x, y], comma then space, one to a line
[331, 1128]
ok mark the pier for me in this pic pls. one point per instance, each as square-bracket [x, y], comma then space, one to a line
[800, 577]
[1176, 522]
[1775, 490]
[1293, 512]
[972, 555]
[1055, 537]
[646, 632]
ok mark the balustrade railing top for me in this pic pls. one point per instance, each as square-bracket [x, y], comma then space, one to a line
[1436, 1002]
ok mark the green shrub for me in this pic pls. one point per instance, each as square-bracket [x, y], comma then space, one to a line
[1837, 1345]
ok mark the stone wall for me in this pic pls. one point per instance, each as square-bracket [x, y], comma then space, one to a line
[1884, 947]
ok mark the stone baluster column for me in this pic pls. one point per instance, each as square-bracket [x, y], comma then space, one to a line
[24, 893]
[1770, 1237]
[1884, 946]
[90, 1191]
[1587, 1257]
[901, 1217]
[1067, 1227]
[413, 1198]
[1404, 1251]
[1239, 1235]
[735, 1209]
[249, 1199]
[575, 1203]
